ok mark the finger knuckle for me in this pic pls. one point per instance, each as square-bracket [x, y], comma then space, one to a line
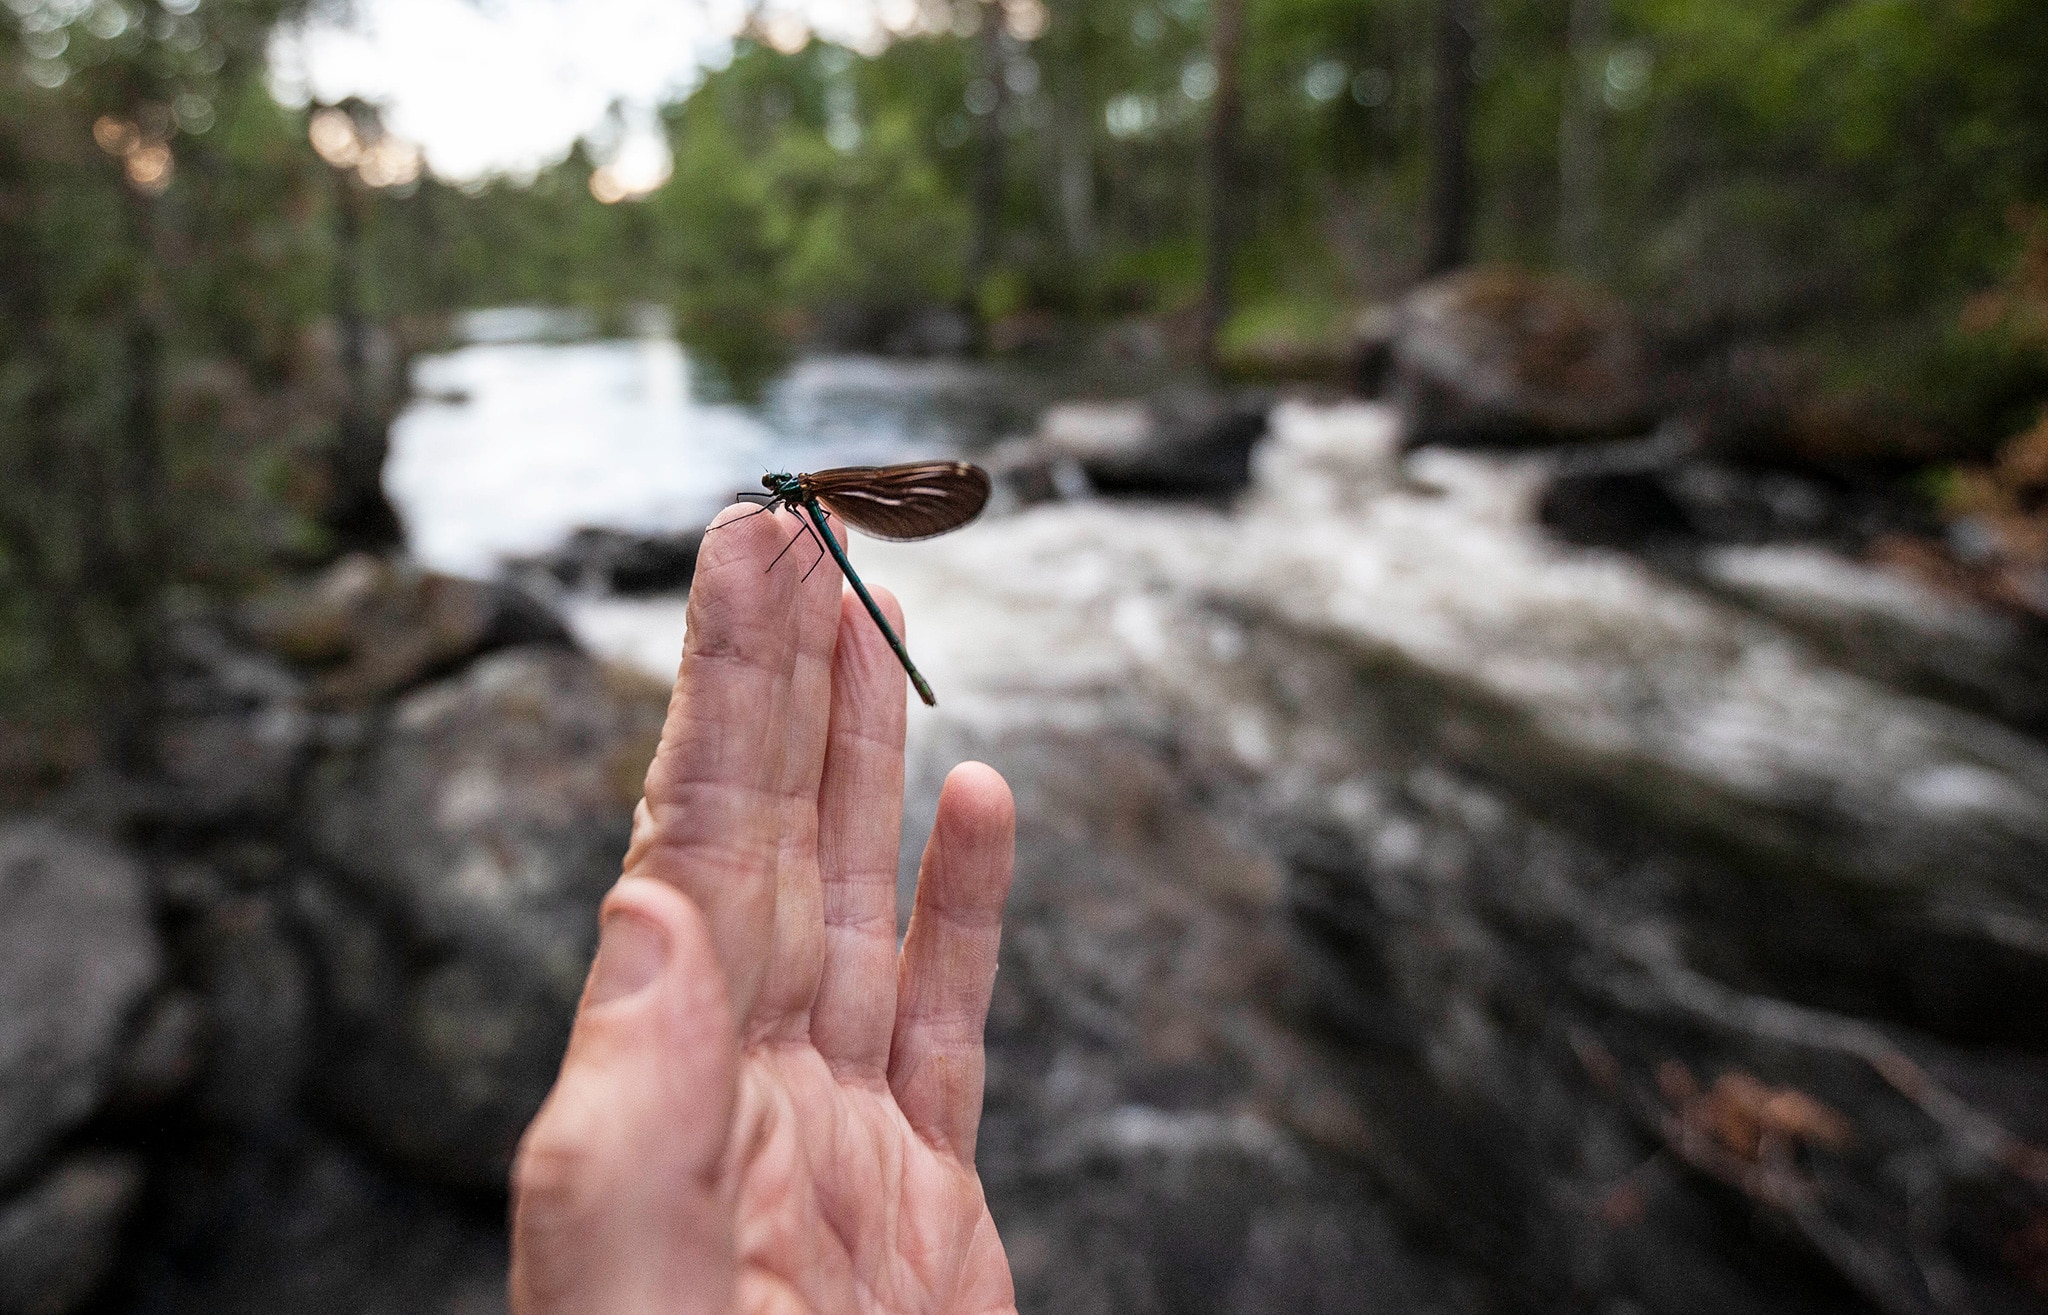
[549, 1170]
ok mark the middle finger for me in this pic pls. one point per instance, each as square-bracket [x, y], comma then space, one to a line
[797, 951]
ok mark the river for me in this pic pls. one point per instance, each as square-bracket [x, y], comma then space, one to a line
[527, 432]
[532, 428]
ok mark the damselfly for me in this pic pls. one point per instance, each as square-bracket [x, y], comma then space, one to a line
[914, 501]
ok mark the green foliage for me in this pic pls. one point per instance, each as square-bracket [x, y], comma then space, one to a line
[158, 266]
[1867, 149]
[806, 190]
[724, 244]
[794, 201]
[877, 226]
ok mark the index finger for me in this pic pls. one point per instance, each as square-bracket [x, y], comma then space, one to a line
[710, 821]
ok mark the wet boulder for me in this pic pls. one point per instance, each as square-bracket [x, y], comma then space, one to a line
[304, 1222]
[463, 851]
[59, 1238]
[1499, 356]
[930, 331]
[1679, 486]
[1155, 1137]
[370, 627]
[595, 560]
[77, 959]
[1177, 445]
[251, 982]
[1369, 351]
[1026, 473]
[1881, 620]
[233, 730]
[2003, 523]
[1618, 508]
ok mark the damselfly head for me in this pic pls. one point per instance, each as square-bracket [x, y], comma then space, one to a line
[770, 481]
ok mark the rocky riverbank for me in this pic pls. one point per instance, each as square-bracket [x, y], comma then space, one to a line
[1419, 907]
[1536, 928]
[276, 1016]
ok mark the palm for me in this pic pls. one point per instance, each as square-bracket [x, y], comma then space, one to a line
[846, 1207]
[808, 1096]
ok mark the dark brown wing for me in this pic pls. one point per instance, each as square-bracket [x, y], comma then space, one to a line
[902, 502]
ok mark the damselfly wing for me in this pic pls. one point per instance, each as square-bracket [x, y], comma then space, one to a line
[913, 501]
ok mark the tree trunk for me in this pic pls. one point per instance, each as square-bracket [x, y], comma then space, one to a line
[1076, 172]
[360, 516]
[984, 243]
[1447, 233]
[1578, 138]
[1226, 39]
[127, 554]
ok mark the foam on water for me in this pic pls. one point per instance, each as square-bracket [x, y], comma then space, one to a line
[1620, 673]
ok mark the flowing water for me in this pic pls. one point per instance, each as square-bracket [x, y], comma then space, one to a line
[528, 432]
[533, 429]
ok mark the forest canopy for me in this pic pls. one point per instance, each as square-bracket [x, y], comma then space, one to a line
[1851, 170]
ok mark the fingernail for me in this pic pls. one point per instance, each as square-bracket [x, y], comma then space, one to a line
[630, 952]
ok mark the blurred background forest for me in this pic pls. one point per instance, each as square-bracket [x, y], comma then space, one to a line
[190, 284]
[1516, 606]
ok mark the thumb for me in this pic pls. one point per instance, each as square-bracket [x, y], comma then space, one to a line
[615, 1201]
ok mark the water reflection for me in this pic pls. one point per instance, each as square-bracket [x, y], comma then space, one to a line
[532, 429]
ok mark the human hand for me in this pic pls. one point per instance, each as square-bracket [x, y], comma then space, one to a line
[764, 1106]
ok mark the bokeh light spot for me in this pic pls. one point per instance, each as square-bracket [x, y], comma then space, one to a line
[333, 134]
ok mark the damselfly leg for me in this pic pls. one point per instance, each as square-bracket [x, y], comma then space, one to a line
[768, 504]
[803, 528]
[821, 549]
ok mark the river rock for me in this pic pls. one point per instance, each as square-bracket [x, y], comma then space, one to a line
[297, 1221]
[369, 627]
[1499, 356]
[1175, 445]
[1898, 629]
[59, 1239]
[233, 730]
[1026, 473]
[2002, 520]
[253, 985]
[77, 958]
[1155, 1137]
[1369, 354]
[162, 1055]
[1690, 501]
[465, 849]
[595, 560]
[1626, 948]
[931, 331]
